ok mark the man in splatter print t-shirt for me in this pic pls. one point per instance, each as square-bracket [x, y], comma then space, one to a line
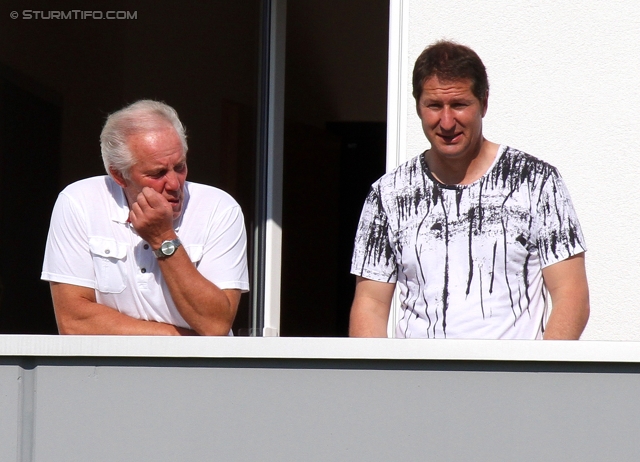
[476, 235]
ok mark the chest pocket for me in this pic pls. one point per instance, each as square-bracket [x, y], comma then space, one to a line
[195, 253]
[109, 264]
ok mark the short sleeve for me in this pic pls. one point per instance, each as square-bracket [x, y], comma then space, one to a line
[556, 226]
[373, 256]
[67, 258]
[224, 256]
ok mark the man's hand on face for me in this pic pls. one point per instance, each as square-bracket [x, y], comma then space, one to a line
[152, 217]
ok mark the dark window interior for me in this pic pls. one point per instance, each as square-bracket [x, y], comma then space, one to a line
[28, 179]
[59, 79]
[334, 148]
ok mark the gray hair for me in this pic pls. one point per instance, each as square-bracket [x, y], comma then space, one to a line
[142, 116]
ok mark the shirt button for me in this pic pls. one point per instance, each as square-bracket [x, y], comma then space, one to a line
[107, 251]
[146, 246]
[143, 270]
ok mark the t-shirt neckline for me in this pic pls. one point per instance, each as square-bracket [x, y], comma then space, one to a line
[423, 161]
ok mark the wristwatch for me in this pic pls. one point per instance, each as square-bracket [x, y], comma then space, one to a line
[167, 248]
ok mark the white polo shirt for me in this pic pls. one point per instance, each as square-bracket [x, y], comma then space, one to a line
[92, 244]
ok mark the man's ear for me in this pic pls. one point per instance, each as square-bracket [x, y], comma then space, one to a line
[117, 177]
[486, 104]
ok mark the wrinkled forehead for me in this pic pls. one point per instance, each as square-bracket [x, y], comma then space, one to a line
[446, 80]
[162, 142]
[436, 87]
[438, 84]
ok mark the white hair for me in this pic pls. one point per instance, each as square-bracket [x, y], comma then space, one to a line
[140, 117]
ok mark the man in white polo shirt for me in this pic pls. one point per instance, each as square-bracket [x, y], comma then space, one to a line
[142, 251]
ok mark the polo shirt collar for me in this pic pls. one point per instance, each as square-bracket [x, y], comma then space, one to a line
[118, 208]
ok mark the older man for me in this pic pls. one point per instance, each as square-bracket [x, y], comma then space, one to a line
[143, 251]
[473, 233]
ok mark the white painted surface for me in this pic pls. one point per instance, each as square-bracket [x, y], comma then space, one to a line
[156, 409]
[397, 99]
[318, 348]
[273, 257]
[563, 78]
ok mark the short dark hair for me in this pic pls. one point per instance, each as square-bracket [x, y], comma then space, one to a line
[450, 61]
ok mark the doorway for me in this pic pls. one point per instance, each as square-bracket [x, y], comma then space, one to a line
[334, 148]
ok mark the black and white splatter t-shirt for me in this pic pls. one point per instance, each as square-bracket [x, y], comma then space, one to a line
[467, 259]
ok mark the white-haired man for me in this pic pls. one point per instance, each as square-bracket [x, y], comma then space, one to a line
[142, 251]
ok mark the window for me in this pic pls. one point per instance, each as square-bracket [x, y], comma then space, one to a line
[223, 66]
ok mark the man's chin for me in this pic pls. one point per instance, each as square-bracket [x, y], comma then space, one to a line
[453, 150]
[449, 152]
[177, 211]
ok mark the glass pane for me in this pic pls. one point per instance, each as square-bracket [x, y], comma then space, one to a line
[61, 77]
[334, 148]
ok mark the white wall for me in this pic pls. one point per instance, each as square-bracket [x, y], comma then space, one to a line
[564, 87]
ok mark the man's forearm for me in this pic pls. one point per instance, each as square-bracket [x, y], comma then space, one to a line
[208, 309]
[569, 290]
[365, 322]
[78, 313]
[567, 321]
[370, 308]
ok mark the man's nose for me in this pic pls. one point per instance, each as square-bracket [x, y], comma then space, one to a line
[447, 119]
[172, 183]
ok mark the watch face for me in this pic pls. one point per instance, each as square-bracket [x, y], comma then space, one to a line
[168, 248]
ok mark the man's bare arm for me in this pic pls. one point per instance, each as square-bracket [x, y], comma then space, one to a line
[370, 308]
[566, 282]
[208, 309]
[77, 312]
